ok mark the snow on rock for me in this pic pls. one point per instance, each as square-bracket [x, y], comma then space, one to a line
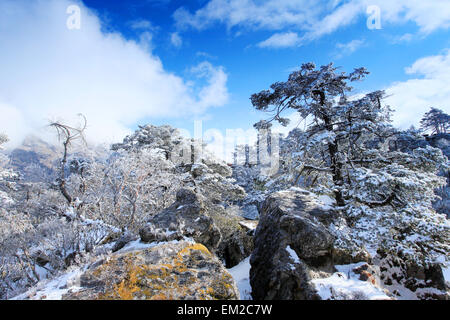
[249, 224]
[345, 285]
[292, 254]
[54, 289]
[140, 245]
[241, 275]
[446, 272]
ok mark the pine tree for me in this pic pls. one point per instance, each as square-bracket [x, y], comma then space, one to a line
[436, 121]
[346, 150]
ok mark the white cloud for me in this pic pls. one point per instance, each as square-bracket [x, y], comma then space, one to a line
[216, 89]
[205, 55]
[348, 48]
[314, 18]
[407, 37]
[412, 98]
[272, 14]
[281, 40]
[48, 71]
[176, 40]
[142, 24]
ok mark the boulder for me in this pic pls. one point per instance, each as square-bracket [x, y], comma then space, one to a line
[184, 218]
[294, 245]
[174, 270]
[191, 216]
[289, 240]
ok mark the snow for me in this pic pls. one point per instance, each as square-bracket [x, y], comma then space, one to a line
[241, 275]
[139, 245]
[327, 200]
[446, 272]
[249, 224]
[41, 271]
[345, 285]
[53, 289]
[293, 254]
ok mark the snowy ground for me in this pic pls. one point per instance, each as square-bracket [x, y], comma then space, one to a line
[53, 289]
[241, 275]
[345, 284]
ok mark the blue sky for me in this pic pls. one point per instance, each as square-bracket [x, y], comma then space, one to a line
[170, 61]
[251, 68]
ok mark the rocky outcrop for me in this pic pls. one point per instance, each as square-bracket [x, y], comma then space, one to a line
[423, 282]
[293, 245]
[175, 270]
[209, 224]
[299, 255]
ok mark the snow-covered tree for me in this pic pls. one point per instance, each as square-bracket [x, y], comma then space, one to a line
[8, 177]
[127, 187]
[3, 139]
[345, 151]
[436, 121]
[67, 135]
[322, 95]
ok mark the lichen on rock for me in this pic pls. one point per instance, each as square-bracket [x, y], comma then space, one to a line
[175, 271]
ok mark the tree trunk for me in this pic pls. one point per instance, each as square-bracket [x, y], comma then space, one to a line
[336, 165]
[62, 177]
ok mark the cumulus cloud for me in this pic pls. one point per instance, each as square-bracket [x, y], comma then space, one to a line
[51, 72]
[412, 98]
[313, 18]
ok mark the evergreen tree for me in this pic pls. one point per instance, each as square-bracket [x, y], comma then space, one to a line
[346, 150]
[436, 121]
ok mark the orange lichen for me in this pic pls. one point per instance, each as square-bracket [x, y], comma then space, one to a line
[161, 281]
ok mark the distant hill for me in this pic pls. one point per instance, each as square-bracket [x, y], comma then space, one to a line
[35, 159]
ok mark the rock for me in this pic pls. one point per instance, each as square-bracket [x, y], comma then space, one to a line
[250, 212]
[41, 258]
[368, 273]
[209, 224]
[174, 270]
[123, 240]
[350, 254]
[70, 259]
[292, 244]
[217, 166]
[426, 282]
[185, 217]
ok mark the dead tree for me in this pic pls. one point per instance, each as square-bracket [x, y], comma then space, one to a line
[67, 135]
